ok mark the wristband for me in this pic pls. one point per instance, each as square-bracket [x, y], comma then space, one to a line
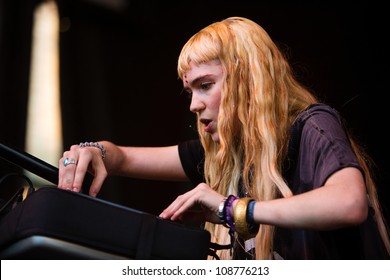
[221, 211]
[249, 212]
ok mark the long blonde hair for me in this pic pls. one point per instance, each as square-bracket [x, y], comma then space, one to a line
[260, 99]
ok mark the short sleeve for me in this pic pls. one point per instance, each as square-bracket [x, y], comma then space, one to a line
[191, 155]
[324, 149]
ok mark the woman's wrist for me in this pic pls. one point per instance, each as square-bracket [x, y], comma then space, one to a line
[96, 145]
[238, 214]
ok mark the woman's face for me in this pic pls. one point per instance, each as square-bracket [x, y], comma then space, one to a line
[203, 83]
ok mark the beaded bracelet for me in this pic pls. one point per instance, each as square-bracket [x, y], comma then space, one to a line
[227, 211]
[96, 145]
[228, 204]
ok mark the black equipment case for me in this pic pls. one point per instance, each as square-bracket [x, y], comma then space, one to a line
[56, 224]
[53, 223]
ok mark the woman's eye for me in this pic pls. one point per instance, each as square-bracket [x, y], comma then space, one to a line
[205, 86]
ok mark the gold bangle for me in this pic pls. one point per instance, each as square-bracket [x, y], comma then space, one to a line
[240, 221]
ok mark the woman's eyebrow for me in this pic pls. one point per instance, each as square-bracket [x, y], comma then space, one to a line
[198, 79]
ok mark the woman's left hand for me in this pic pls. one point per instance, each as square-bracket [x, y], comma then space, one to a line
[202, 195]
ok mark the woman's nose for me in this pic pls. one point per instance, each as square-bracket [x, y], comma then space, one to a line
[196, 104]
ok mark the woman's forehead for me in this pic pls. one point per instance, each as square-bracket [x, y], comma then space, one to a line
[204, 68]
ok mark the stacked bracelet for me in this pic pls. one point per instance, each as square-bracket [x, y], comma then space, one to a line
[95, 144]
[242, 222]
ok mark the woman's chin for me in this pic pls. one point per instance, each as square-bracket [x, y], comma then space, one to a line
[215, 137]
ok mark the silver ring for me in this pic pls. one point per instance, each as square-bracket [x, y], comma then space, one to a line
[68, 161]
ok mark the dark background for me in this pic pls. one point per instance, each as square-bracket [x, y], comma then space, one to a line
[119, 82]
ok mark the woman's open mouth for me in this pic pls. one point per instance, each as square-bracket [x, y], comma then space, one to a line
[207, 124]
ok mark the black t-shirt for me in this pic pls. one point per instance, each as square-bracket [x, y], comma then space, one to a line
[319, 146]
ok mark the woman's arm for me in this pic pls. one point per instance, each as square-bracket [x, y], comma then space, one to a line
[155, 163]
[341, 202]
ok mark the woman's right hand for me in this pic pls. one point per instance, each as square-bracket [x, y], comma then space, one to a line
[74, 165]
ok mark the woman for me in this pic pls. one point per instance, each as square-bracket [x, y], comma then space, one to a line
[275, 171]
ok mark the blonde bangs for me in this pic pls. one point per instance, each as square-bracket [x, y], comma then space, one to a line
[203, 47]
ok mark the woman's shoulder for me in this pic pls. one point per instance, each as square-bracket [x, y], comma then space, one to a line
[318, 110]
[316, 119]
[318, 116]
